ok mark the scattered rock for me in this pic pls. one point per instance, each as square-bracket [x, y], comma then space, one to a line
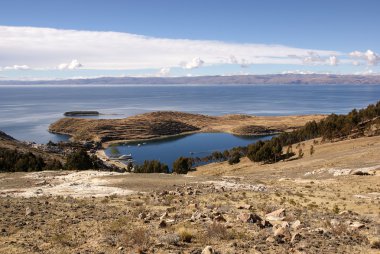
[270, 239]
[357, 225]
[219, 218]
[162, 224]
[142, 216]
[208, 250]
[249, 218]
[277, 215]
[245, 206]
[334, 222]
[296, 237]
[29, 212]
[296, 225]
[164, 216]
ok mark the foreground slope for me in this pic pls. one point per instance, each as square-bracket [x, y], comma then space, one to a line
[310, 205]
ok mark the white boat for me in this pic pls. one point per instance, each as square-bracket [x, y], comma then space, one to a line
[125, 157]
[122, 157]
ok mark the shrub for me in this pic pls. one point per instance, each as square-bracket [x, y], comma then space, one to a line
[182, 165]
[139, 237]
[14, 160]
[79, 160]
[185, 235]
[153, 166]
[217, 231]
[234, 159]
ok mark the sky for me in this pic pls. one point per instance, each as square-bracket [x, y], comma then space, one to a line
[42, 39]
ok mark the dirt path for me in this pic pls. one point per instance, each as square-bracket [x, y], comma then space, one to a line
[74, 184]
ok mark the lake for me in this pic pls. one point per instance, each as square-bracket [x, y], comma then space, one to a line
[27, 110]
[194, 145]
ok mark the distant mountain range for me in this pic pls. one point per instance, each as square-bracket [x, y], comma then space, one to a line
[237, 79]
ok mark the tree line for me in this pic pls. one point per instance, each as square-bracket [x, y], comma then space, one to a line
[13, 160]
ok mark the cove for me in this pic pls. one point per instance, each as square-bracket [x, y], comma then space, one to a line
[194, 145]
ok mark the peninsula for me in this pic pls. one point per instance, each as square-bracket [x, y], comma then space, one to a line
[168, 123]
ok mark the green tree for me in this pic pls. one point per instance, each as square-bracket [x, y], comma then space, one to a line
[234, 158]
[79, 160]
[182, 165]
[311, 150]
[300, 153]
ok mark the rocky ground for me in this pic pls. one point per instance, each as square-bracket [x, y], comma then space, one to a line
[317, 204]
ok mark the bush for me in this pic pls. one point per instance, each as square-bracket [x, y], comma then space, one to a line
[182, 165]
[153, 166]
[333, 126]
[185, 235]
[80, 160]
[234, 159]
[14, 160]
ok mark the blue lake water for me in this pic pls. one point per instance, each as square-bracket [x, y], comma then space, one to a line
[195, 145]
[27, 110]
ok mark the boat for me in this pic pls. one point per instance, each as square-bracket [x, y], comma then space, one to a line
[125, 157]
[122, 157]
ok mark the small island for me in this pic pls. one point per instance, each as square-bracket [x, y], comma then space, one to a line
[81, 113]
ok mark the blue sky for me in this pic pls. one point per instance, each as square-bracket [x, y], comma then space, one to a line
[218, 37]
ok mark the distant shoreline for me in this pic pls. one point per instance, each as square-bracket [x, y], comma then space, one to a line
[273, 79]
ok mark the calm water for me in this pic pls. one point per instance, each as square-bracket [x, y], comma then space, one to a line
[27, 111]
[195, 145]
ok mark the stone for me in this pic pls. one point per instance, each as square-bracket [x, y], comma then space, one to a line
[208, 250]
[28, 212]
[277, 215]
[295, 225]
[120, 248]
[219, 218]
[285, 224]
[270, 239]
[245, 206]
[162, 224]
[274, 218]
[296, 237]
[170, 209]
[164, 216]
[196, 216]
[334, 222]
[279, 231]
[249, 218]
[357, 225]
[142, 216]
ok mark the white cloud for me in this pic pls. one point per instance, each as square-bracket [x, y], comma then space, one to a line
[195, 63]
[16, 67]
[164, 71]
[314, 58]
[46, 48]
[298, 72]
[74, 64]
[369, 56]
[242, 62]
[333, 60]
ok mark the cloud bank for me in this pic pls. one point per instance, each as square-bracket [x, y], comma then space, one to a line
[55, 48]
